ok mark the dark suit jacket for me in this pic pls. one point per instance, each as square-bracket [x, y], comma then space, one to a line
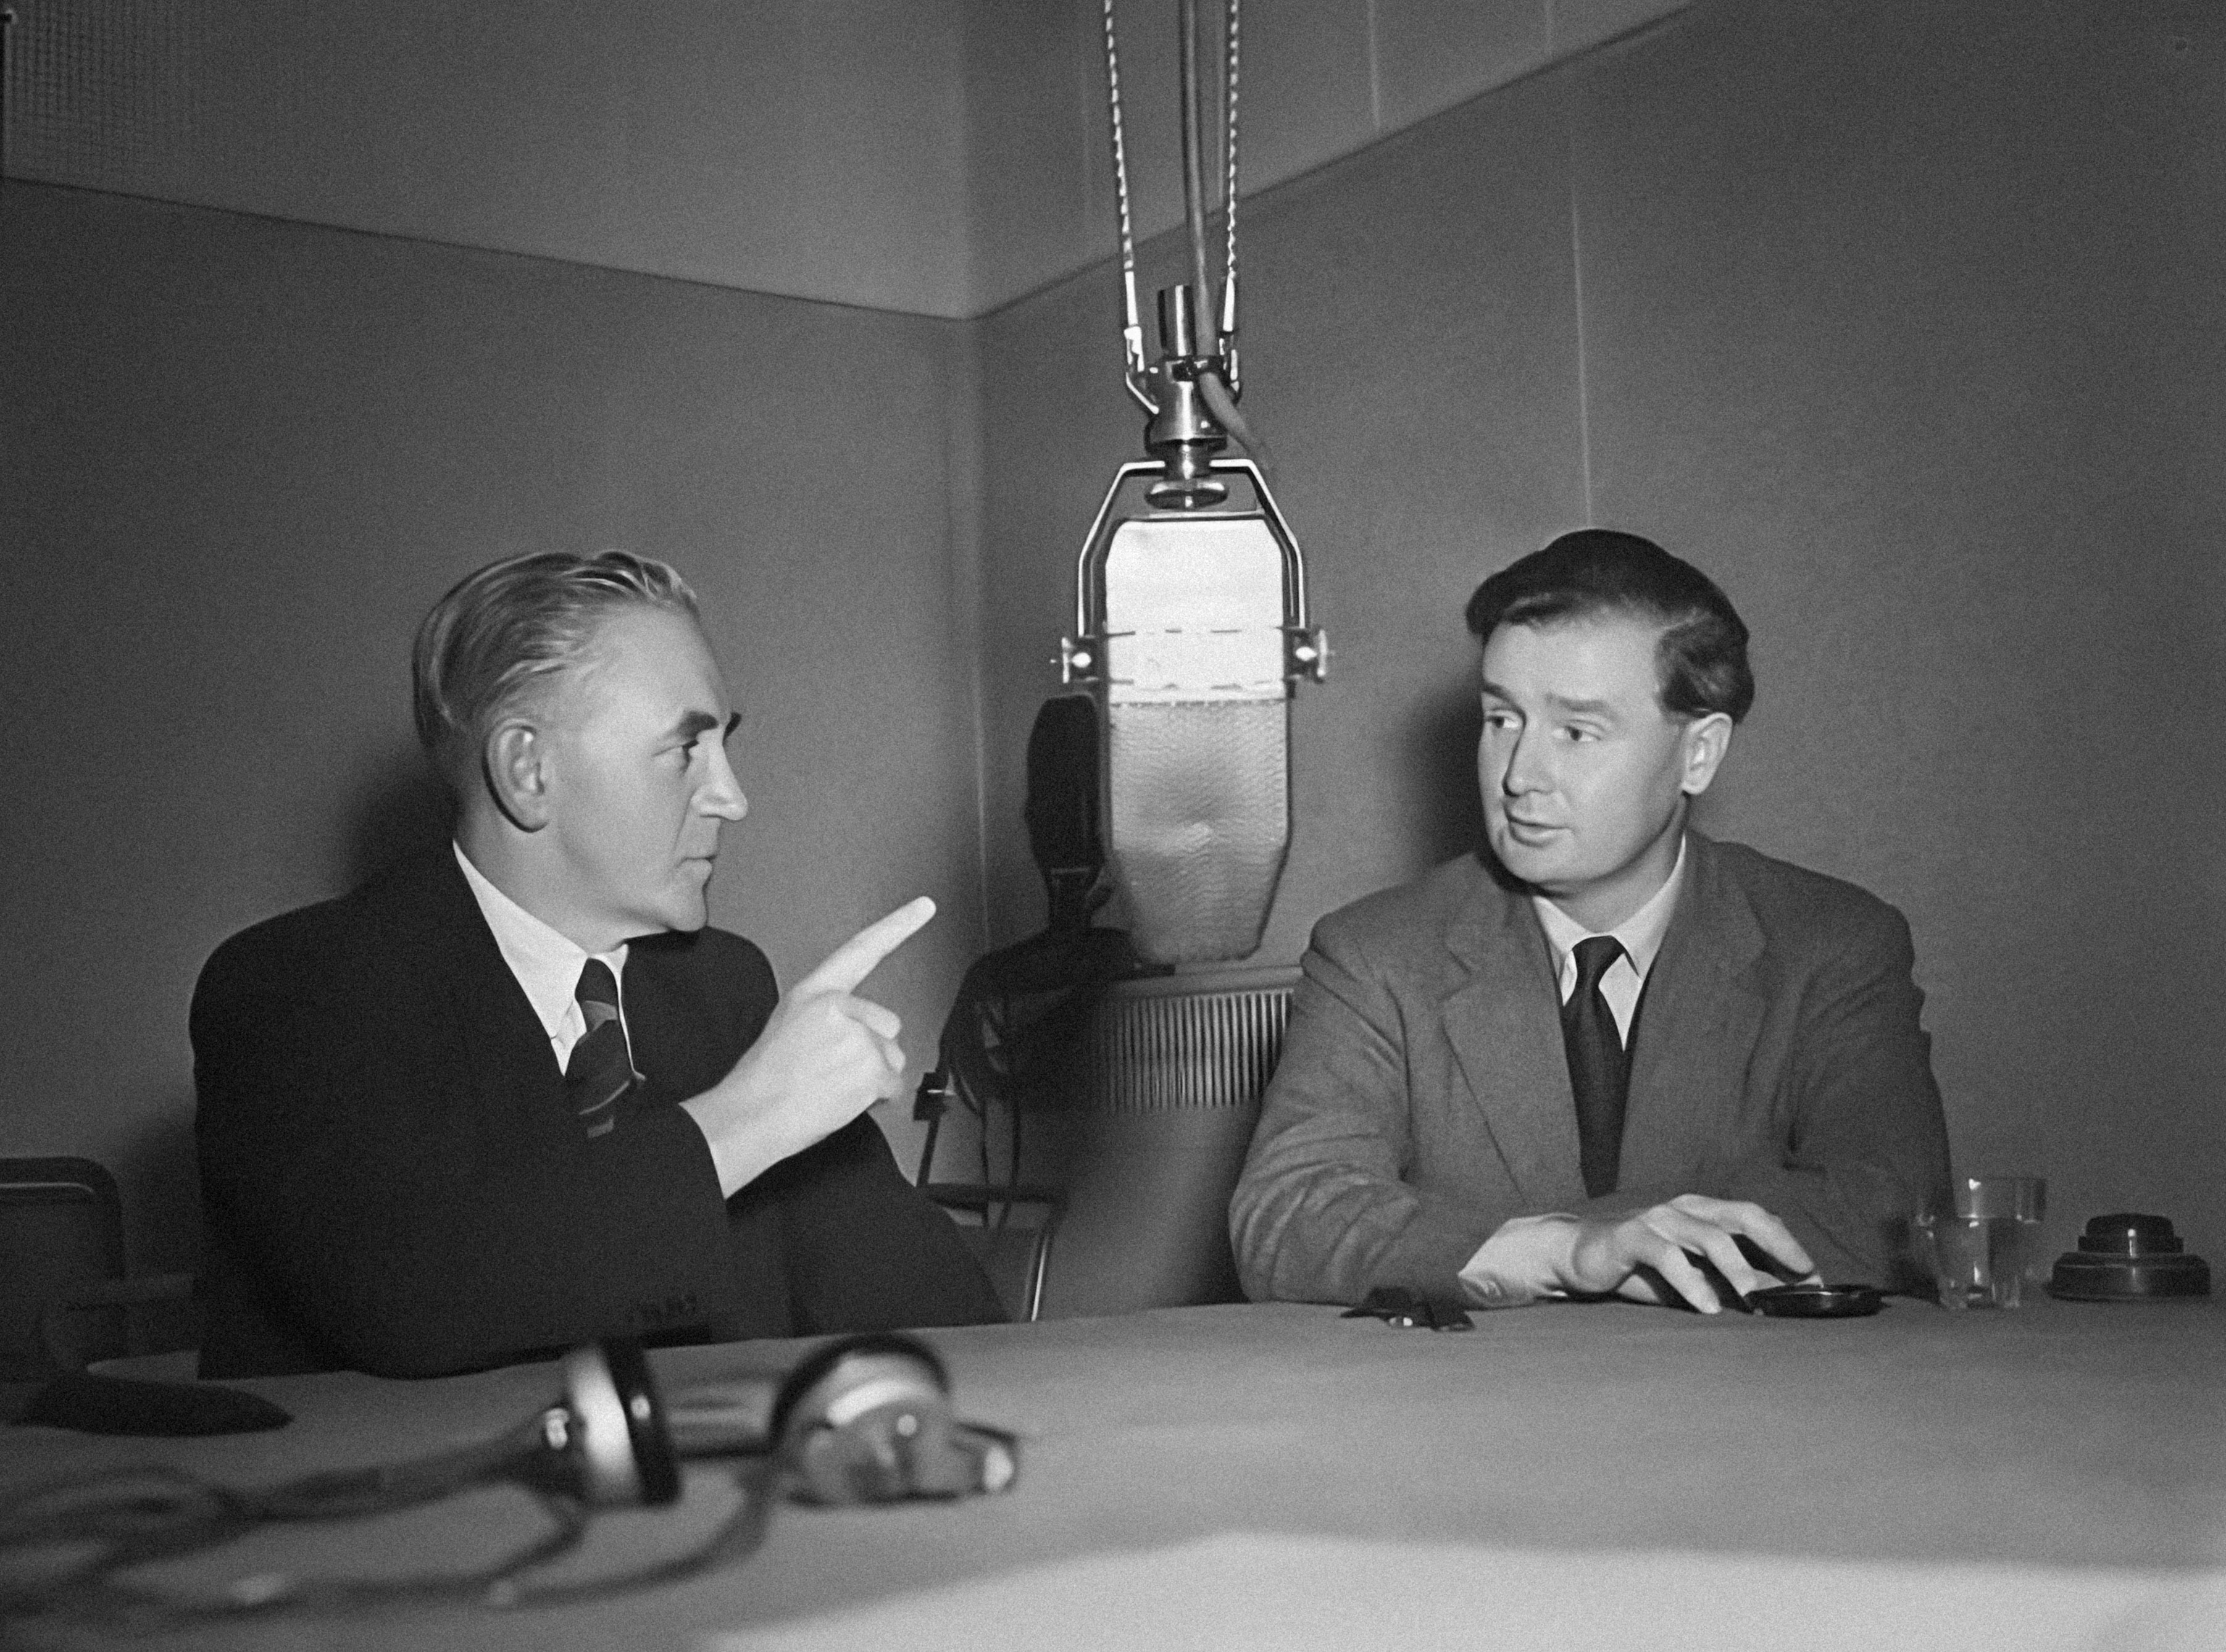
[394, 1182]
[1423, 1096]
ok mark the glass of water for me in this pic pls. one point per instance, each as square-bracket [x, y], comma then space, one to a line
[1985, 1239]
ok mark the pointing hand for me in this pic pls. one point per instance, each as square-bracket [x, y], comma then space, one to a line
[825, 1057]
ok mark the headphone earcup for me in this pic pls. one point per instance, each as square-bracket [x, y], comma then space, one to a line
[866, 1420]
[606, 1440]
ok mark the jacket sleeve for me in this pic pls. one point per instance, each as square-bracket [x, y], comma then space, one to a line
[1321, 1212]
[393, 1220]
[1864, 1143]
[865, 1250]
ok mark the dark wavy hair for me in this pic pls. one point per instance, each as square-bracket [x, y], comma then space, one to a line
[500, 633]
[1700, 657]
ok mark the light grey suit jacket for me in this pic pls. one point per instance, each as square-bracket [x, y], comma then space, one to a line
[1423, 1095]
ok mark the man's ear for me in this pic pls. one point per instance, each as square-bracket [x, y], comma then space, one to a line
[1706, 741]
[514, 764]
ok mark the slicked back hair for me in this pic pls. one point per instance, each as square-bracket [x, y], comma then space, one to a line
[501, 633]
[1700, 657]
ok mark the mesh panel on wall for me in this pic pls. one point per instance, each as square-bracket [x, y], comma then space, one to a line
[101, 92]
[1176, 1042]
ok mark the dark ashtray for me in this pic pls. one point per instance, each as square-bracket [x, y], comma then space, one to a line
[1817, 1301]
[2126, 1256]
[1395, 1305]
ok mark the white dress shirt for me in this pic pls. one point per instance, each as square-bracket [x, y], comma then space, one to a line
[547, 964]
[1515, 1265]
[1641, 935]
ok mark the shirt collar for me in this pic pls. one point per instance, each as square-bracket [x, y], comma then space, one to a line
[547, 964]
[1641, 933]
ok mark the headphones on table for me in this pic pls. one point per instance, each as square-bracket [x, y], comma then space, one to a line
[868, 1420]
[864, 1419]
[861, 1420]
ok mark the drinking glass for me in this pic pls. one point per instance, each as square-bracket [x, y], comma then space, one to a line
[1985, 1239]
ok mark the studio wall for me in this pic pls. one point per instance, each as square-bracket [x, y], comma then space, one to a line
[242, 458]
[1908, 316]
[811, 148]
[1902, 320]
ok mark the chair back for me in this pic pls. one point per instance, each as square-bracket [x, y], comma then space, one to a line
[62, 1228]
[1009, 1227]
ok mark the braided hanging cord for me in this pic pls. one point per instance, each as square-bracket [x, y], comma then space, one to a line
[1225, 321]
[1132, 331]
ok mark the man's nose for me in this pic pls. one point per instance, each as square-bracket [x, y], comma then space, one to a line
[1526, 765]
[722, 794]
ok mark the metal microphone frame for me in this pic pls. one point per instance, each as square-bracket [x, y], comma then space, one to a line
[1082, 656]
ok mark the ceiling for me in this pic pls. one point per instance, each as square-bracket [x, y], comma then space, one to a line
[937, 157]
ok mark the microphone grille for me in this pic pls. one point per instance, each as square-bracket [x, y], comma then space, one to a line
[1200, 806]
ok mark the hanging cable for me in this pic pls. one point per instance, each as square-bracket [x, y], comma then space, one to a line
[1194, 161]
[1215, 378]
[1132, 328]
[1222, 390]
[1227, 320]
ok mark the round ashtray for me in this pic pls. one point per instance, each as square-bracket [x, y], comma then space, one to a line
[1817, 1301]
[2151, 1278]
[2128, 1256]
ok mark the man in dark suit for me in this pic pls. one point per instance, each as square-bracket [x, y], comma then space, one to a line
[1609, 1056]
[516, 1095]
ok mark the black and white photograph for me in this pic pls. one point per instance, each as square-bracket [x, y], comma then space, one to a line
[1043, 824]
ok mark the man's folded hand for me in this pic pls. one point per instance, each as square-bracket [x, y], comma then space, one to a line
[1666, 1253]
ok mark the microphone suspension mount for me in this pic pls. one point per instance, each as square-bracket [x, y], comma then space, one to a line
[1182, 430]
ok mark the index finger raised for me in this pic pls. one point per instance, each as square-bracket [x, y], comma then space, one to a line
[847, 966]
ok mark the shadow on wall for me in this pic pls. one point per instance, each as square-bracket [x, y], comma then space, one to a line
[1446, 815]
[400, 808]
[156, 1172]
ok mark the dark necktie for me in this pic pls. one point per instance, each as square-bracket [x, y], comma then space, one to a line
[1600, 1072]
[599, 1071]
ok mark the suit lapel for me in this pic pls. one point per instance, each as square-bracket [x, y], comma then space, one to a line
[1696, 1028]
[1506, 1036]
[499, 1040]
[660, 1047]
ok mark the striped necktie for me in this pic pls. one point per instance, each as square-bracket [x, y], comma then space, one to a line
[601, 1070]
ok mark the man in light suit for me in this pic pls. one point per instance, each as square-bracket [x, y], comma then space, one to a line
[516, 1095]
[1609, 1056]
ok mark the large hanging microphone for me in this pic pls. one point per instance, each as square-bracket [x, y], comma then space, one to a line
[1191, 624]
[1192, 628]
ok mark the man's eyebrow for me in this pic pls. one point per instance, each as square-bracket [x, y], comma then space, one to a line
[694, 725]
[1601, 709]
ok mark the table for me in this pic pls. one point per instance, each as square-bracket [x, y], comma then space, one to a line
[1587, 1475]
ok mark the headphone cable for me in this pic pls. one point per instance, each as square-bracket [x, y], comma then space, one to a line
[159, 1514]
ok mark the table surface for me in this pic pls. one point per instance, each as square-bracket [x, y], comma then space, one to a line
[1588, 1476]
